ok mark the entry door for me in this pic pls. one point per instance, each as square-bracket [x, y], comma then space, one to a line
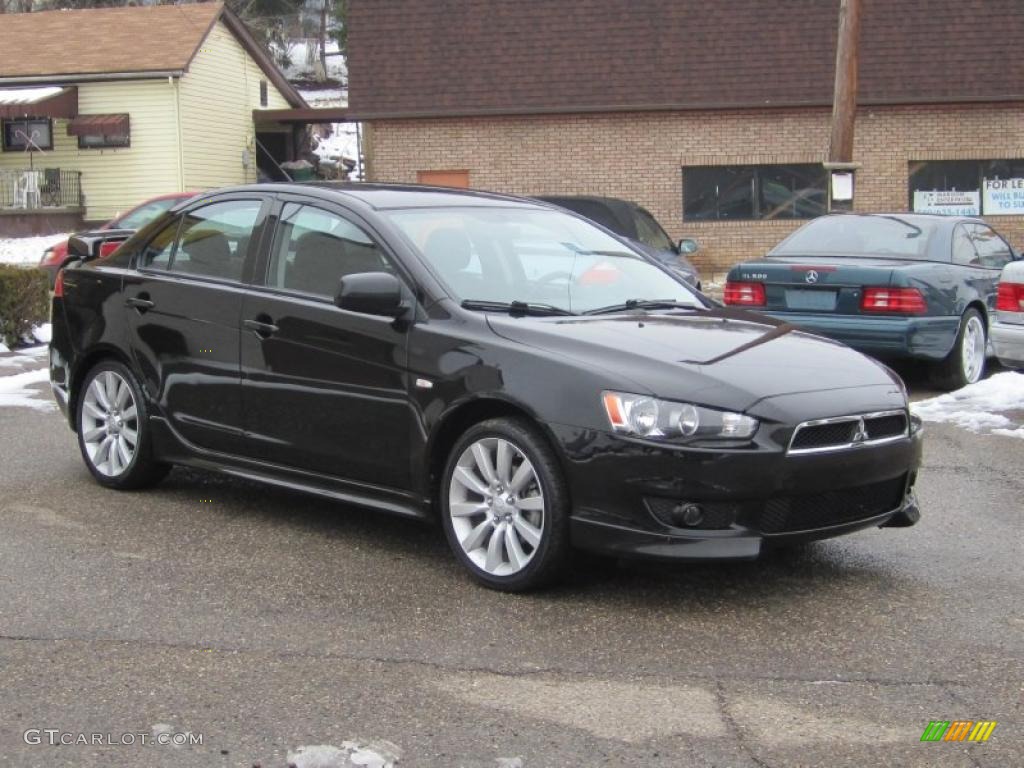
[185, 304]
[324, 389]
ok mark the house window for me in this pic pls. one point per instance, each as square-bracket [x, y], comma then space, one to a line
[31, 133]
[264, 94]
[101, 131]
[443, 178]
[99, 141]
[737, 192]
[967, 187]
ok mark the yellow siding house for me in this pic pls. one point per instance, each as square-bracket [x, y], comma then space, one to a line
[132, 103]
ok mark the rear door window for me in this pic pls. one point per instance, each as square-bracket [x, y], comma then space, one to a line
[214, 239]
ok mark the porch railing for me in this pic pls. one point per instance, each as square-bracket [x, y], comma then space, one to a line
[40, 188]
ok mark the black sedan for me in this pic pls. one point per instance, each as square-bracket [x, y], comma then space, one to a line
[891, 285]
[505, 366]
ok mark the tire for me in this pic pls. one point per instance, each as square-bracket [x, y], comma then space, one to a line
[511, 530]
[107, 425]
[965, 363]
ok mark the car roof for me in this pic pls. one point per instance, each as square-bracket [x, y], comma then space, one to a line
[387, 196]
[913, 218]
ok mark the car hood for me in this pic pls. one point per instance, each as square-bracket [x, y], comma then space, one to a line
[722, 358]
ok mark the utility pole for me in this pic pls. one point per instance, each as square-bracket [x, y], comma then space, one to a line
[844, 107]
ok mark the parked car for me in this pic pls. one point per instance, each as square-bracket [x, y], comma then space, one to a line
[501, 365]
[891, 285]
[635, 223]
[1008, 325]
[55, 256]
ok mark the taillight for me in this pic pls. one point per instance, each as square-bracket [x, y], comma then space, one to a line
[58, 285]
[1010, 297]
[907, 301]
[109, 247]
[744, 294]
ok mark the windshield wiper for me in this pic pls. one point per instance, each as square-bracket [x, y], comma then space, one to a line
[515, 307]
[642, 304]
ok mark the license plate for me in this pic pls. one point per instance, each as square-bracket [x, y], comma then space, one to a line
[816, 300]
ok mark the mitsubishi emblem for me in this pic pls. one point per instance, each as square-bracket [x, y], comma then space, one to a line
[811, 276]
[861, 435]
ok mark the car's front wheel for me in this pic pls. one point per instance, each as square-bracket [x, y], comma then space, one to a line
[965, 363]
[113, 429]
[505, 505]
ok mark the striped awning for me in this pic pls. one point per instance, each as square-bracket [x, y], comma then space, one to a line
[44, 101]
[99, 125]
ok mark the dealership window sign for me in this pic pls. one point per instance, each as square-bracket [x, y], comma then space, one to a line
[949, 203]
[1004, 197]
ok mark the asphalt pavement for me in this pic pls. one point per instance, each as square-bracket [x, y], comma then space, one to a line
[263, 621]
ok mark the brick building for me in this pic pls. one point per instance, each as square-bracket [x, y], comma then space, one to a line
[715, 116]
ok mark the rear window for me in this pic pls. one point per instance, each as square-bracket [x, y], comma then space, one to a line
[893, 236]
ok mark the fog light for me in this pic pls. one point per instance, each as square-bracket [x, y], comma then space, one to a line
[689, 514]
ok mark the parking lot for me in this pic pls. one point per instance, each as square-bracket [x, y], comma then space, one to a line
[266, 621]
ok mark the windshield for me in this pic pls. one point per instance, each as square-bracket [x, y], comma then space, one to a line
[139, 217]
[533, 256]
[861, 236]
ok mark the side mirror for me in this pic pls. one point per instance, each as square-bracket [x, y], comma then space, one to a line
[688, 245]
[85, 246]
[371, 293]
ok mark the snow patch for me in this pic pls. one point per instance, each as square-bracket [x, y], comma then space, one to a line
[980, 407]
[343, 143]
[27, 250]
[351, 754]
[14, 390]
[43, 333]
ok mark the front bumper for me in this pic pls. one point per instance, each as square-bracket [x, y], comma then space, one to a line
[930, 338]
[1008, 343]
[751, 499]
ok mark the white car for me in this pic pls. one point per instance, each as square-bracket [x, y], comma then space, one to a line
[1007, 329]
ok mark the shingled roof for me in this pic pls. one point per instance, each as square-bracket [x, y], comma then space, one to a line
[410, 58]
[75, 46]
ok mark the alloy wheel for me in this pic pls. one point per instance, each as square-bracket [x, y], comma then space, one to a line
[972, 352]
[109, 424]
[497, 506]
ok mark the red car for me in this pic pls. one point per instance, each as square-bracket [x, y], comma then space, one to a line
[138, 217]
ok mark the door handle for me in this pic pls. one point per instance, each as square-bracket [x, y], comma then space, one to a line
[263, 329]
[140, 302]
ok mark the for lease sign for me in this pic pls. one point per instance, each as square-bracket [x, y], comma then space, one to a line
[949, 203]
[1004, 197]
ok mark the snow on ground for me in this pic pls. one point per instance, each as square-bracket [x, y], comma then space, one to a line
[351, 754]
[343, 142]
[994, 405]
[15, 390]
[26, 250]
[324, 97]
[304, 59]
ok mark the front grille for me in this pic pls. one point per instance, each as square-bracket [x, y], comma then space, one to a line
[819, 435]
[848, 431]
[886, 426]
[788, 514]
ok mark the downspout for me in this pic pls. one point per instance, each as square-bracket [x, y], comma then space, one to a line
[176, 84]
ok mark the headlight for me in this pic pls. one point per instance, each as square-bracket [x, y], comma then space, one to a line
[648, 417]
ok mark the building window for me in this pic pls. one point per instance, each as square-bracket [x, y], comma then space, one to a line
[967, 187]
[103, 142]
[264, 94]
[31, 133]
[737, 192]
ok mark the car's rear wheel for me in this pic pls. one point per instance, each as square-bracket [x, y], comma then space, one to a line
[965, 363]
[505, 505]
[113, 429]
